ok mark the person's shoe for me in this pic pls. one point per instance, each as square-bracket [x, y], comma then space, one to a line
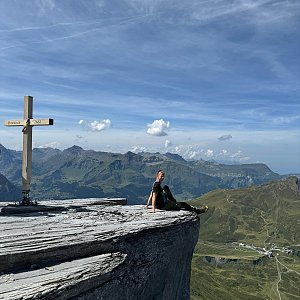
[201, 210]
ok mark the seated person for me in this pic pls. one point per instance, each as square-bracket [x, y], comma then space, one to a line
[162, 198]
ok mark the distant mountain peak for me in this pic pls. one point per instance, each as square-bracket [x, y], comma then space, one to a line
[174, 156]
[129, 153]
[74, 149]
[3, 149]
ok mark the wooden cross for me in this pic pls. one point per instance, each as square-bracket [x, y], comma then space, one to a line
[28, 122]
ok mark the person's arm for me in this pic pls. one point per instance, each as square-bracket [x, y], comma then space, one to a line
[154, 195]
[149, 199]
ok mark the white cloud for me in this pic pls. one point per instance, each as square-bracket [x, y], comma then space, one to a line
[54, 145]
[209, 153]
[168, 143]
[225, 137]
[137, 149]
[196, 152]
[189, 152]
[158, 127]
[95, 125]
[239, 157]
[231, 156]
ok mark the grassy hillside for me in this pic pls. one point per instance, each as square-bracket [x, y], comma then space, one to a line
[259, 214]
[229, 261]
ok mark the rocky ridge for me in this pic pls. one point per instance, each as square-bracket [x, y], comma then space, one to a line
[90, 251]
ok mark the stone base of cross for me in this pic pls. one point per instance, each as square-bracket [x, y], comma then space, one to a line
[27, 123]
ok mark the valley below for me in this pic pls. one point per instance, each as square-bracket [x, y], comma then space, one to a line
[231, 261]
[222, 271]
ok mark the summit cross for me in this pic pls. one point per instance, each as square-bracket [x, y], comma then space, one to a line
[28, 122]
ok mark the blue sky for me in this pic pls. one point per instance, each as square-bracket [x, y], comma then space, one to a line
[215, 79]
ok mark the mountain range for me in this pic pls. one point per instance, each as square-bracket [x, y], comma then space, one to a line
[79, 173]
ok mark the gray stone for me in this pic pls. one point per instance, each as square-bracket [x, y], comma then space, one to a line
[12, 209]
[97, 252]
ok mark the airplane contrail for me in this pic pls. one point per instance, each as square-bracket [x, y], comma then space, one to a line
[125, 21]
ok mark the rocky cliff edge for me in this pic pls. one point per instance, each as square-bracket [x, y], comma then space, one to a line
[89, 251]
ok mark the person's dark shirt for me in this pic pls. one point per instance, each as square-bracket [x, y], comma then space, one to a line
[160, 202]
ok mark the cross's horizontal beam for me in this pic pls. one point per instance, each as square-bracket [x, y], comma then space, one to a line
[32, 122]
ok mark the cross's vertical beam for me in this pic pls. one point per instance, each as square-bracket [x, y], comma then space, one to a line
[27, 148]
[28, 122]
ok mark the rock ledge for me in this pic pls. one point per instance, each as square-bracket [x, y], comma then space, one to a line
[91, 251]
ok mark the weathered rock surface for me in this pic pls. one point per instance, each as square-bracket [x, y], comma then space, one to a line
[90, 251]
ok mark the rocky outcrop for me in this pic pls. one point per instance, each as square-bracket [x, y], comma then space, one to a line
[89, 251]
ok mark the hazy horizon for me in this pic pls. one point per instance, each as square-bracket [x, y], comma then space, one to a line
[220, 161]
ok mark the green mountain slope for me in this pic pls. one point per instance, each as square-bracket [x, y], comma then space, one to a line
[249, 244]
[261, 214]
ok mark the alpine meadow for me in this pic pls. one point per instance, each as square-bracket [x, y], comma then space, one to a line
[248, 245]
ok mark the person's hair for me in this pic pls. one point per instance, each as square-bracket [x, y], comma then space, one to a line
[159, 171]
